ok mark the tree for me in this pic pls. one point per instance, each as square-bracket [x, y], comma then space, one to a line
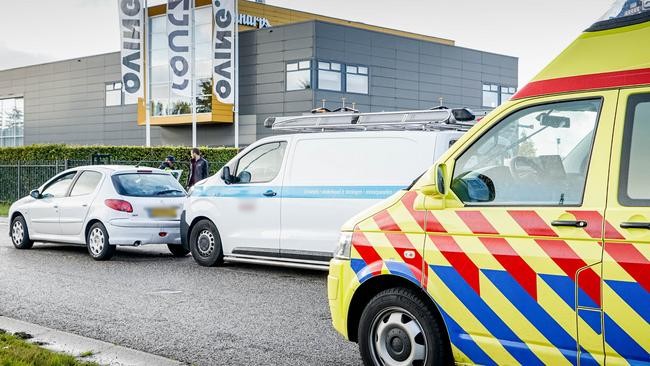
[526, 147]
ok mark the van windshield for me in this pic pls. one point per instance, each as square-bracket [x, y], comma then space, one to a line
[622, 13]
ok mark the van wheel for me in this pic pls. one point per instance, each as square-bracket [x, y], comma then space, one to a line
[20, 234]
[397, 328]
[205, 244]
[97, 242]
[177, 250]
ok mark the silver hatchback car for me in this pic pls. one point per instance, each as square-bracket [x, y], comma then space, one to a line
[101, 207]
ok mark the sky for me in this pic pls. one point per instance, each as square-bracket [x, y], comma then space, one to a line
[37, 31]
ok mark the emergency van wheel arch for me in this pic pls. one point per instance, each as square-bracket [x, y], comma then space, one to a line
[397, 326]
[205, 243]
[373, 286]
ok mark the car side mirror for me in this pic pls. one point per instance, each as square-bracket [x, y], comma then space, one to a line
[226, 176]
[35, 194]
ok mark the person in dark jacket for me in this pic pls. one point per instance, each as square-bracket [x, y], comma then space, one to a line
[168, 164]
[198, 168]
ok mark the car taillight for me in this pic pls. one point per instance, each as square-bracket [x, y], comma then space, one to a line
[119, 205]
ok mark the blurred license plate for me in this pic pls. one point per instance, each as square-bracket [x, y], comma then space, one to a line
[163, 212]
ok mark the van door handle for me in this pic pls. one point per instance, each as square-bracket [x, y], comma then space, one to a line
[635, 225]
[570, 223]
[270, 193]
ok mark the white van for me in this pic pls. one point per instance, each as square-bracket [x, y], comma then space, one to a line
[283, 199]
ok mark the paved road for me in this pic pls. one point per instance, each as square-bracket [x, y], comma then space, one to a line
[147, 300]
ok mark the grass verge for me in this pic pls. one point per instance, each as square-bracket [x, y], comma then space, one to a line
[4, 208]
[17, 352]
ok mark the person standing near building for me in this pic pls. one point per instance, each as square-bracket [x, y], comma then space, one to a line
[168, 164]
[198, 168]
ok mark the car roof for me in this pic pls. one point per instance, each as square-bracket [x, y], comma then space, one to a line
[115, 168]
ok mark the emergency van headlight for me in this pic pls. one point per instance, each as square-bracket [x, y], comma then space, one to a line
[345, 245]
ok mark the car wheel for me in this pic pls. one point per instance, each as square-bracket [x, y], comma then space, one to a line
[97, 242]
[178, 250]
[205, 244]
[397, 328]
[20, 234]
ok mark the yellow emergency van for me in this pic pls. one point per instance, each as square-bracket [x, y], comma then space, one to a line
[528, 242]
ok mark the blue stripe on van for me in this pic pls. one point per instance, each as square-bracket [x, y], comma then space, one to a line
[322, 192]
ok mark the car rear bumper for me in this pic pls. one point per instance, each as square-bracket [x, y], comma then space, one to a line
[140, 232]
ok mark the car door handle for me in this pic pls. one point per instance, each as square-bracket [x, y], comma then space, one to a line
[570, 223]
[55, 206]
[84, 205]
[270, 193]
[635, 225]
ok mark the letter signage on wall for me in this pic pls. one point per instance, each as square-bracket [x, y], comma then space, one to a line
[179, 41]
[132, 46]
[223, 63]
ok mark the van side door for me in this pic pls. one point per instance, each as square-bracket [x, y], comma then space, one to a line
[251, 204]
[331, 178]
[626, 259]
[515, 255]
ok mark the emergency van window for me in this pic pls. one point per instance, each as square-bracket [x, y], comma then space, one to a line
[262, 164]
[623, 13]
[536, 156]
[635, 172]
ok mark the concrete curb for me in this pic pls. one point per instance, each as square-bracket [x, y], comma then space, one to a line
[103, 353]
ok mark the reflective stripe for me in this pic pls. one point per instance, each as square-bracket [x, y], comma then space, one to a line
[604, 80]
[327, 192]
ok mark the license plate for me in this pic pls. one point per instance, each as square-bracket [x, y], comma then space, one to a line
[163, 212]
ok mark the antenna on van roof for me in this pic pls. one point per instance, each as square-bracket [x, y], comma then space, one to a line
[439, 118]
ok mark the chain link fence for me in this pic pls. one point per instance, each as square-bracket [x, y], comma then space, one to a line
[17, 179]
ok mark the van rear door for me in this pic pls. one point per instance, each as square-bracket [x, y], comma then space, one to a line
[331, 177]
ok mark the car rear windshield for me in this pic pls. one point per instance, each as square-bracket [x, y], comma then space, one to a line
[147, 185]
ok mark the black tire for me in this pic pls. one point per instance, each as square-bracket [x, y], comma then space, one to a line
[205, 244]
[20, 234]
[177, 251]
[98, 244]
[384, 318]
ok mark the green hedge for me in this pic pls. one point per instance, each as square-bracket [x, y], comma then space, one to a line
[118, 153]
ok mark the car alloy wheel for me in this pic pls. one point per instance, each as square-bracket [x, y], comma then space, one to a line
[96, 241]
[397, 338]
[17, 233]
[205, 243]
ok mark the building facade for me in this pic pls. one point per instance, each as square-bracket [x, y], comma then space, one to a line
[289, 63]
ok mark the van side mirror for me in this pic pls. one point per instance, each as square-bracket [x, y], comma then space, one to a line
[35, 194]
[437, 182]
[225, 175]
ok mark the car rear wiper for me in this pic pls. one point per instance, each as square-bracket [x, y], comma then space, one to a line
[168, 191]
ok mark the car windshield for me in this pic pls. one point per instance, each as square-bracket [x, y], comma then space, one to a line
[147, 185]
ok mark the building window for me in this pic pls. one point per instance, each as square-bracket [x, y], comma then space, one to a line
[356, 79]
[12, 122]
[506, 93]
[329, 76]
[163, 100]
[494, 95]
[114, 94]
[299, 75]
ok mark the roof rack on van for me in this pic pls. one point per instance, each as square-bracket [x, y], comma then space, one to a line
[417, 120]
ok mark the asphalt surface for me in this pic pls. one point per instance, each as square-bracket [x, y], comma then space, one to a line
[147, 300]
